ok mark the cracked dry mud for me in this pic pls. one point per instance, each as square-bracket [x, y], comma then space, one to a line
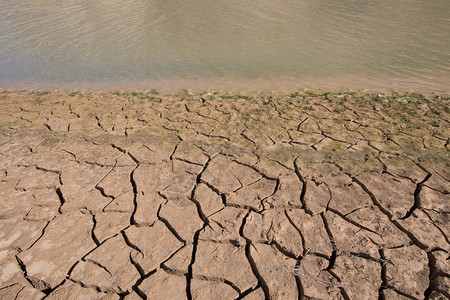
[110, 196]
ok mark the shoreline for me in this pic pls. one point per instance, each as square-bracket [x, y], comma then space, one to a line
[151, 93]
[253, 86]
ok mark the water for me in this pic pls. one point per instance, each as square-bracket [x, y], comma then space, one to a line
[225, 44]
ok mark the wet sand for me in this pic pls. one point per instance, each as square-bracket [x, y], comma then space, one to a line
[134, 195]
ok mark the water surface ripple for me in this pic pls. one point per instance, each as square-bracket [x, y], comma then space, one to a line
[256, 44]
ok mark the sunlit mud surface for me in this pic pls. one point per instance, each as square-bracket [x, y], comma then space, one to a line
[129, 196]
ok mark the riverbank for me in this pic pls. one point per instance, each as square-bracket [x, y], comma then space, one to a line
[126, 194]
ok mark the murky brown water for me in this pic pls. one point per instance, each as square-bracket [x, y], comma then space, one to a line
[225, 44]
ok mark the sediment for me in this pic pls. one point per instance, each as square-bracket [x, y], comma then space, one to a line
[132, 196]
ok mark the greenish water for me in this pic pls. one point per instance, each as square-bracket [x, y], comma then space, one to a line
[255, 44]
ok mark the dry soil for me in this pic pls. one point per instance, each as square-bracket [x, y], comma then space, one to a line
[128, 195]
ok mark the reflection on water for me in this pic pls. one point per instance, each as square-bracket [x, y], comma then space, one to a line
[140, 42]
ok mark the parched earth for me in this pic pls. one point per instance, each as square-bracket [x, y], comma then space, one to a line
[129, 195]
